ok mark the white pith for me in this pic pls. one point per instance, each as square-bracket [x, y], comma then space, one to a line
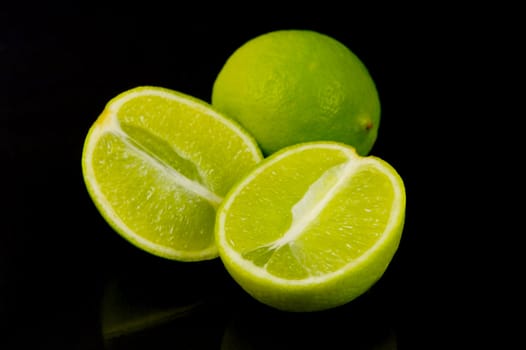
[302, 219]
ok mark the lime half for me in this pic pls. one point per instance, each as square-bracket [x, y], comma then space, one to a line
[312, 227]
[157, 164]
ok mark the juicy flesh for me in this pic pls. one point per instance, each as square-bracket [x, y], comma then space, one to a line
[321, 223]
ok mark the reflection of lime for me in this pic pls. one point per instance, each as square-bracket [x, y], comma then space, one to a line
[142, 309]
[311, 227]
[123, 316]
[157, 163]
[291, 86]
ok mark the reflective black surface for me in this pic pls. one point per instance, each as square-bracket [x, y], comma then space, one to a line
[68, 281]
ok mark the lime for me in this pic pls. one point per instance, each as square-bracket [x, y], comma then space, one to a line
[157, 163]
[292, 86]
[312, 226]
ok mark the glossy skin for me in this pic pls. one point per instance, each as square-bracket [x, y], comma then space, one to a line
[293, 86]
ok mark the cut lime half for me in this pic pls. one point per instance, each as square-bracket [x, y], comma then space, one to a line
[312, 227]
[157, 163]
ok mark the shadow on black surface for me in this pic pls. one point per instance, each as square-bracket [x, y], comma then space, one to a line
[151, 310]
[159, 304]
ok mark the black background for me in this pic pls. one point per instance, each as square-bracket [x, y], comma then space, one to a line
[59, 67]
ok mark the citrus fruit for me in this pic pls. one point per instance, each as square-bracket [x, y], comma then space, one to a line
[292, 86]
[157, 164]
[312, 226]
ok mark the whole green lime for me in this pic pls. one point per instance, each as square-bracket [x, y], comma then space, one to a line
[292, 86]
